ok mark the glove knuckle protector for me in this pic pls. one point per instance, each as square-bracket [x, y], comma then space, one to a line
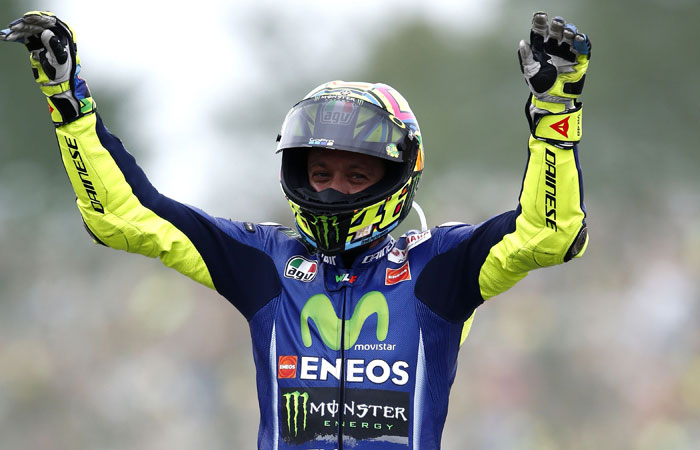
[555, 72]
[55, 63]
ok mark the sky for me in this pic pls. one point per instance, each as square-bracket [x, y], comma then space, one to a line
[180, 66]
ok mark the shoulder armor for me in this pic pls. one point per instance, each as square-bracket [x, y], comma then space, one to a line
[450, 224]
[292, 233]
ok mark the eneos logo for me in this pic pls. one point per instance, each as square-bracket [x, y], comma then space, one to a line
[301, 269]
[287, 367]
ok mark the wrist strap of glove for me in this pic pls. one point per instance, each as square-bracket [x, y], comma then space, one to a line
[70, 100]
[562, 130]
[65, 108]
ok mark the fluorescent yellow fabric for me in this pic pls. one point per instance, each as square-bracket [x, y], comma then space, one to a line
[466, 328]
[112, 212]
[550, 220]
[562, 127]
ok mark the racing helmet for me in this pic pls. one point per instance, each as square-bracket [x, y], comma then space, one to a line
[366, 118]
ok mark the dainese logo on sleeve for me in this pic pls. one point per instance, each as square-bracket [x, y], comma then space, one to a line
[300, 268]
[287, 367]
[562, 127]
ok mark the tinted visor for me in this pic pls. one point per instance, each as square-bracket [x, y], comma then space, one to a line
[345, 123]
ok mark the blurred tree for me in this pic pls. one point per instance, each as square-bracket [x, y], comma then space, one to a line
[640, 121]
[28, 158]
[36, 196]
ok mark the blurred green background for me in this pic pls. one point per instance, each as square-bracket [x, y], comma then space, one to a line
[104, 350]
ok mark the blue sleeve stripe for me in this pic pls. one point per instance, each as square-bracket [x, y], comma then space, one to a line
[580, 181]
[244, 275]
[449, 283]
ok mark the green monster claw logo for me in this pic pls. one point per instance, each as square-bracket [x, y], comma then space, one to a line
[296, 395]
[325, 228]
[319, 309]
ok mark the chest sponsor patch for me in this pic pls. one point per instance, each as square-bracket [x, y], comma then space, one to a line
[399, 256]
[287, 367]
[345, 278]
[315, 414]
[394, 276]
[301, 269]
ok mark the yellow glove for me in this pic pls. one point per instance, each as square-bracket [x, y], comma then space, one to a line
[55, 63]
[554, 64]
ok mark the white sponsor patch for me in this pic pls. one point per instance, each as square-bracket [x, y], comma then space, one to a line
[301, 269]
[399, 256]
[381, 253]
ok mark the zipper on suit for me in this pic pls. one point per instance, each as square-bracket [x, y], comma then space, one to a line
[342, 371]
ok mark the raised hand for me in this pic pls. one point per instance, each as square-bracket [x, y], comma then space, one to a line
[554, 63]
[55, 63]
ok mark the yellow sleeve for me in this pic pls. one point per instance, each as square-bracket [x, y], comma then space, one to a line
[126, 214]
[550, 227]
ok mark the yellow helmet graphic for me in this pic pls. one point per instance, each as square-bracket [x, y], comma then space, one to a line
[371, 119]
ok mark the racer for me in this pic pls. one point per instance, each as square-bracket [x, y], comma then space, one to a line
[355, 334]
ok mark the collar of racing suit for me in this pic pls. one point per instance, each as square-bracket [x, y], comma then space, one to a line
[365, 257]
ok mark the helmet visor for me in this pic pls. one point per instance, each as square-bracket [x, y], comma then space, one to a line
[345, 123]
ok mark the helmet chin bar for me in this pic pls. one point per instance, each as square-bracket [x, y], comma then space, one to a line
[365, 118]
[344, 228]
[328, 218]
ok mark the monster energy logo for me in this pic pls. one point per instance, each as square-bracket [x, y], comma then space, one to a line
[325, 228]
[367, 414]
[296, 395]
[319, 309]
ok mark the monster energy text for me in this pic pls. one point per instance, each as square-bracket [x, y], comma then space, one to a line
[369, 416]
[360, 410]
[310, 414]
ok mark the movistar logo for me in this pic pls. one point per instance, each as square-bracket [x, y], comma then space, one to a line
[292, 405]
[319, 309]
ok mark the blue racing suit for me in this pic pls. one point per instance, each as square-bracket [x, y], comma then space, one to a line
[359, 357]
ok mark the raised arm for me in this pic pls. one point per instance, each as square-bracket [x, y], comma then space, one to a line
[550, 227]
[120, 207]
